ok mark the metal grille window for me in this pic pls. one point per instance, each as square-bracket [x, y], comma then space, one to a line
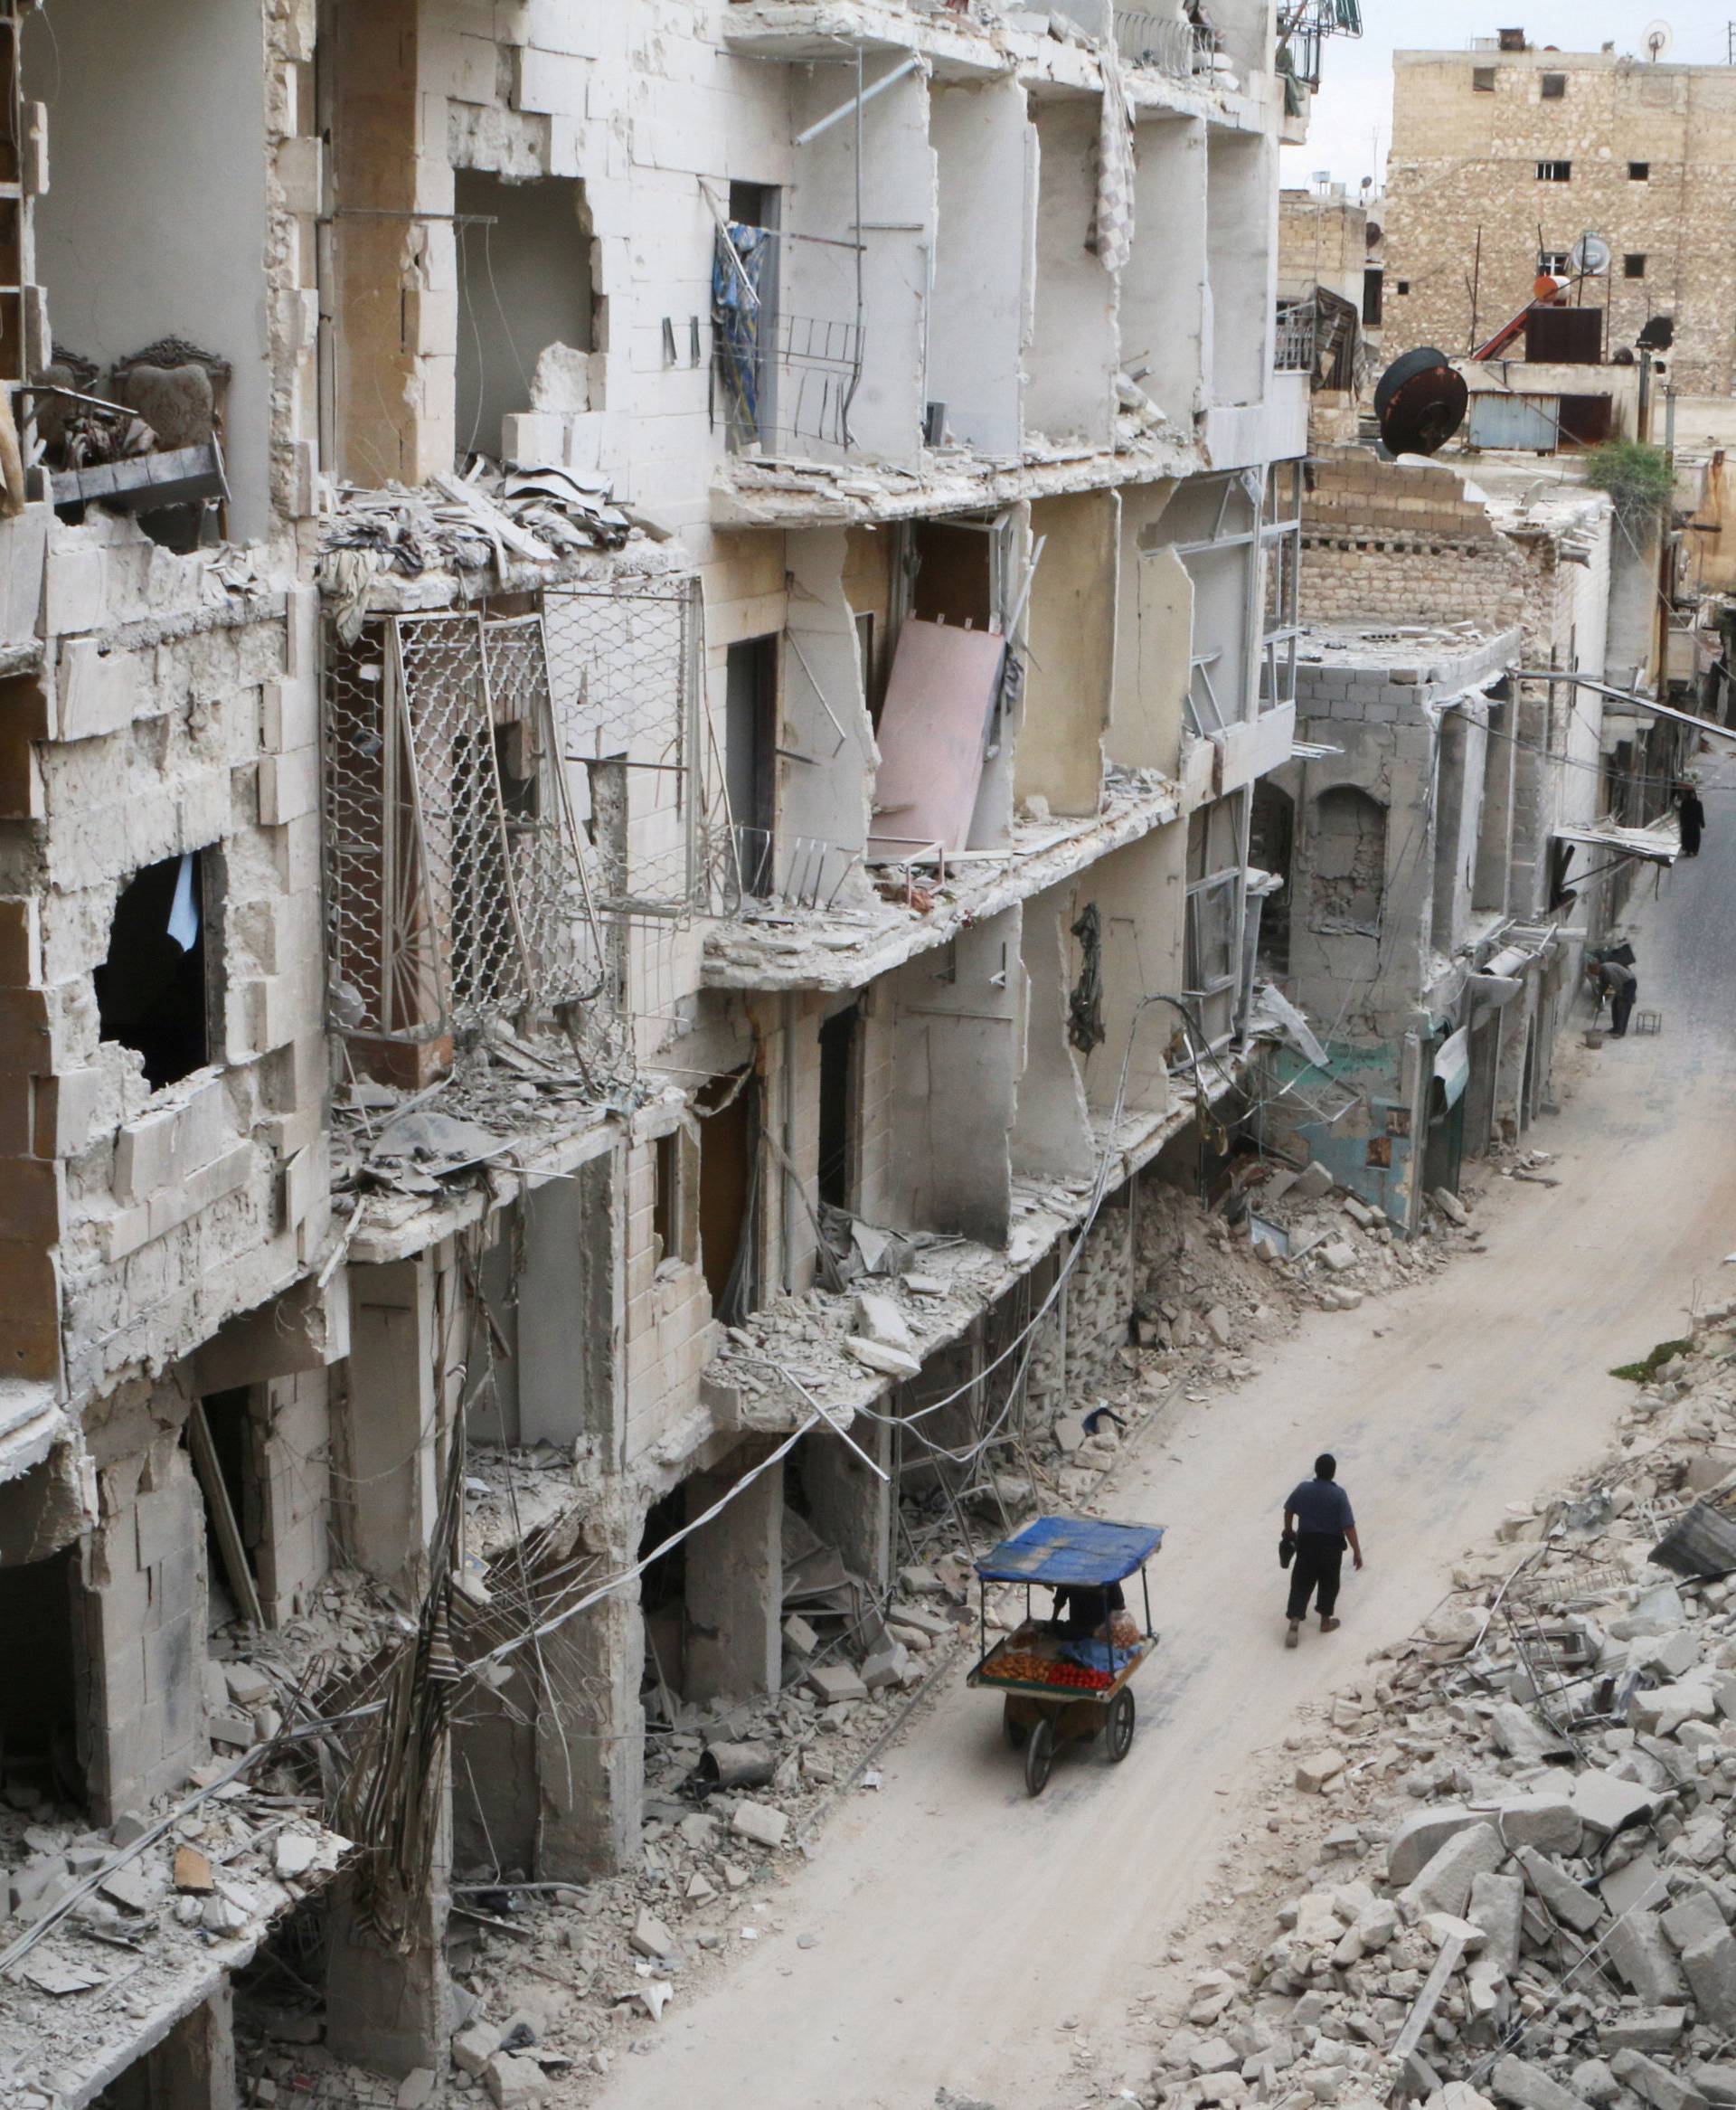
[624, 668]
[1293, 342]
[455, 888]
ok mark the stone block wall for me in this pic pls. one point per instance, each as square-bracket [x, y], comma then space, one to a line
[1465, 160]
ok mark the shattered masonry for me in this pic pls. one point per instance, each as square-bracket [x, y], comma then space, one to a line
[544, 1208]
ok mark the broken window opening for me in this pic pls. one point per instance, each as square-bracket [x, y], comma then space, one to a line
[150, 242]
[1553, 87]
[663, 1606]
[153, 991]
[745, 320]
[839, 1127]
[1270, 846]
[751, 759]
[40, 1691]
[222, 1436]
[673, 1212]
[728, 1192]
[1483, 80]
[527, 303]
[1349, 861]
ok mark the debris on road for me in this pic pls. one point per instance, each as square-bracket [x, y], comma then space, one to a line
[1528, 1891]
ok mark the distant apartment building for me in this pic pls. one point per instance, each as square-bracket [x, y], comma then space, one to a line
[1505, 154]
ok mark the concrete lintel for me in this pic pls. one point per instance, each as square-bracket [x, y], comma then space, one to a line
[603, 1129]
[1015, 882]
[77, 2090]
[1136, 1144]
[799, 495]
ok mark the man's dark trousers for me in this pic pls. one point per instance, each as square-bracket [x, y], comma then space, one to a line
[1319, 1559]
[1621, 1006]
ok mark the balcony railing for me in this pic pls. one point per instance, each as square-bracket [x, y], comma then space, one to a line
[1180, 48]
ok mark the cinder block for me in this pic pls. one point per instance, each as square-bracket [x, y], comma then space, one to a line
[64, 1112]
[74, 586]
[21, 944]
[30, 1310]
[99, 691]
[147, 1155]
[289, 786]
[301, 171]
[35, 1199]
[546, 82]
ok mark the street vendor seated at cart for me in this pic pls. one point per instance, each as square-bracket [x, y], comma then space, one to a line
[1082, 1609]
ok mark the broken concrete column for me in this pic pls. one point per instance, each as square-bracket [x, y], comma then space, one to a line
[144, 1628]
[387, 2008]
[590, 1743]
[193, 2067]
[849, 1506]
[735, 1580]
[389, 1407]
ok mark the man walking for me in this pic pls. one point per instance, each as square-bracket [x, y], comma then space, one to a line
[1318, 1515]
[1690, 816]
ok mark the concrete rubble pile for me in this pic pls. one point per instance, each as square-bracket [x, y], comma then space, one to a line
[1529, 1896]
[146, 1914]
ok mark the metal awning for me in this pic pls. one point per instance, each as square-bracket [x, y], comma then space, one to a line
[1656, 846]
[1078, 1550]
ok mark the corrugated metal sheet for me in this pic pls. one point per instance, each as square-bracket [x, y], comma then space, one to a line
[1516, 422]
[1658, 846]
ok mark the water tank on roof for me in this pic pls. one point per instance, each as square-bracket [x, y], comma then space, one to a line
[1419, 402]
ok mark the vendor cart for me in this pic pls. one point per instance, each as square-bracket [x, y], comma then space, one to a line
[1063, 1681]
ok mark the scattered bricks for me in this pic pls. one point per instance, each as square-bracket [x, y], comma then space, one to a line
[1639, 1884]
[1517, 2080]
[1710, 1968]
[1692, 1918]
[650, 1937]
[1418, 1838]
[192, 1872]
[1450, 1207]
[1444, 1885]
[1660, 1610]
[879, 1320]
[765, 1826]
[1338, 1255]
[473, 2046]
[1651, 2029]
[1636, 1947]
[1716, 2083]
[887, 1666]
[512, 2082]
[1548, 1823]
[1662, 1711]
[1667, 1656]
[831, 1682]
[888, 1362]
[1608, 1805]
[1566, 1900]
[1314, 1772]
[1497, 1905]
[1313, 1183]
[1655, 2084]
[800, 1637]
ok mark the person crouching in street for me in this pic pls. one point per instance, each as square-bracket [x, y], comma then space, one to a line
[1621, 985]
[1318, 1515]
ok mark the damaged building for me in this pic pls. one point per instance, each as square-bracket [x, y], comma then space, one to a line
[1476, 791]
[638, 665]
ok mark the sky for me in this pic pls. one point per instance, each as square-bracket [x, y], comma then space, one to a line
[1351, 126]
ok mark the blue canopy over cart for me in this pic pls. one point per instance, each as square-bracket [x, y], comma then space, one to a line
[1066, 1678]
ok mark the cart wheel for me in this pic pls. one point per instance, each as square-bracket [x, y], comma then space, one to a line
[1120, 1726]
[1039, 1756]
[1015, 1732]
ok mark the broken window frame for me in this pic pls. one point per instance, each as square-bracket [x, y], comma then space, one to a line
[1281, 543]
[650, 640]
[413, 835]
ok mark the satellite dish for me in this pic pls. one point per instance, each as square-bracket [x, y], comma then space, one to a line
[1658, 38]
[1589, 256]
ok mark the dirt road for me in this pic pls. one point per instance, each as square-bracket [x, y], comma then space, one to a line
[958, 1926]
